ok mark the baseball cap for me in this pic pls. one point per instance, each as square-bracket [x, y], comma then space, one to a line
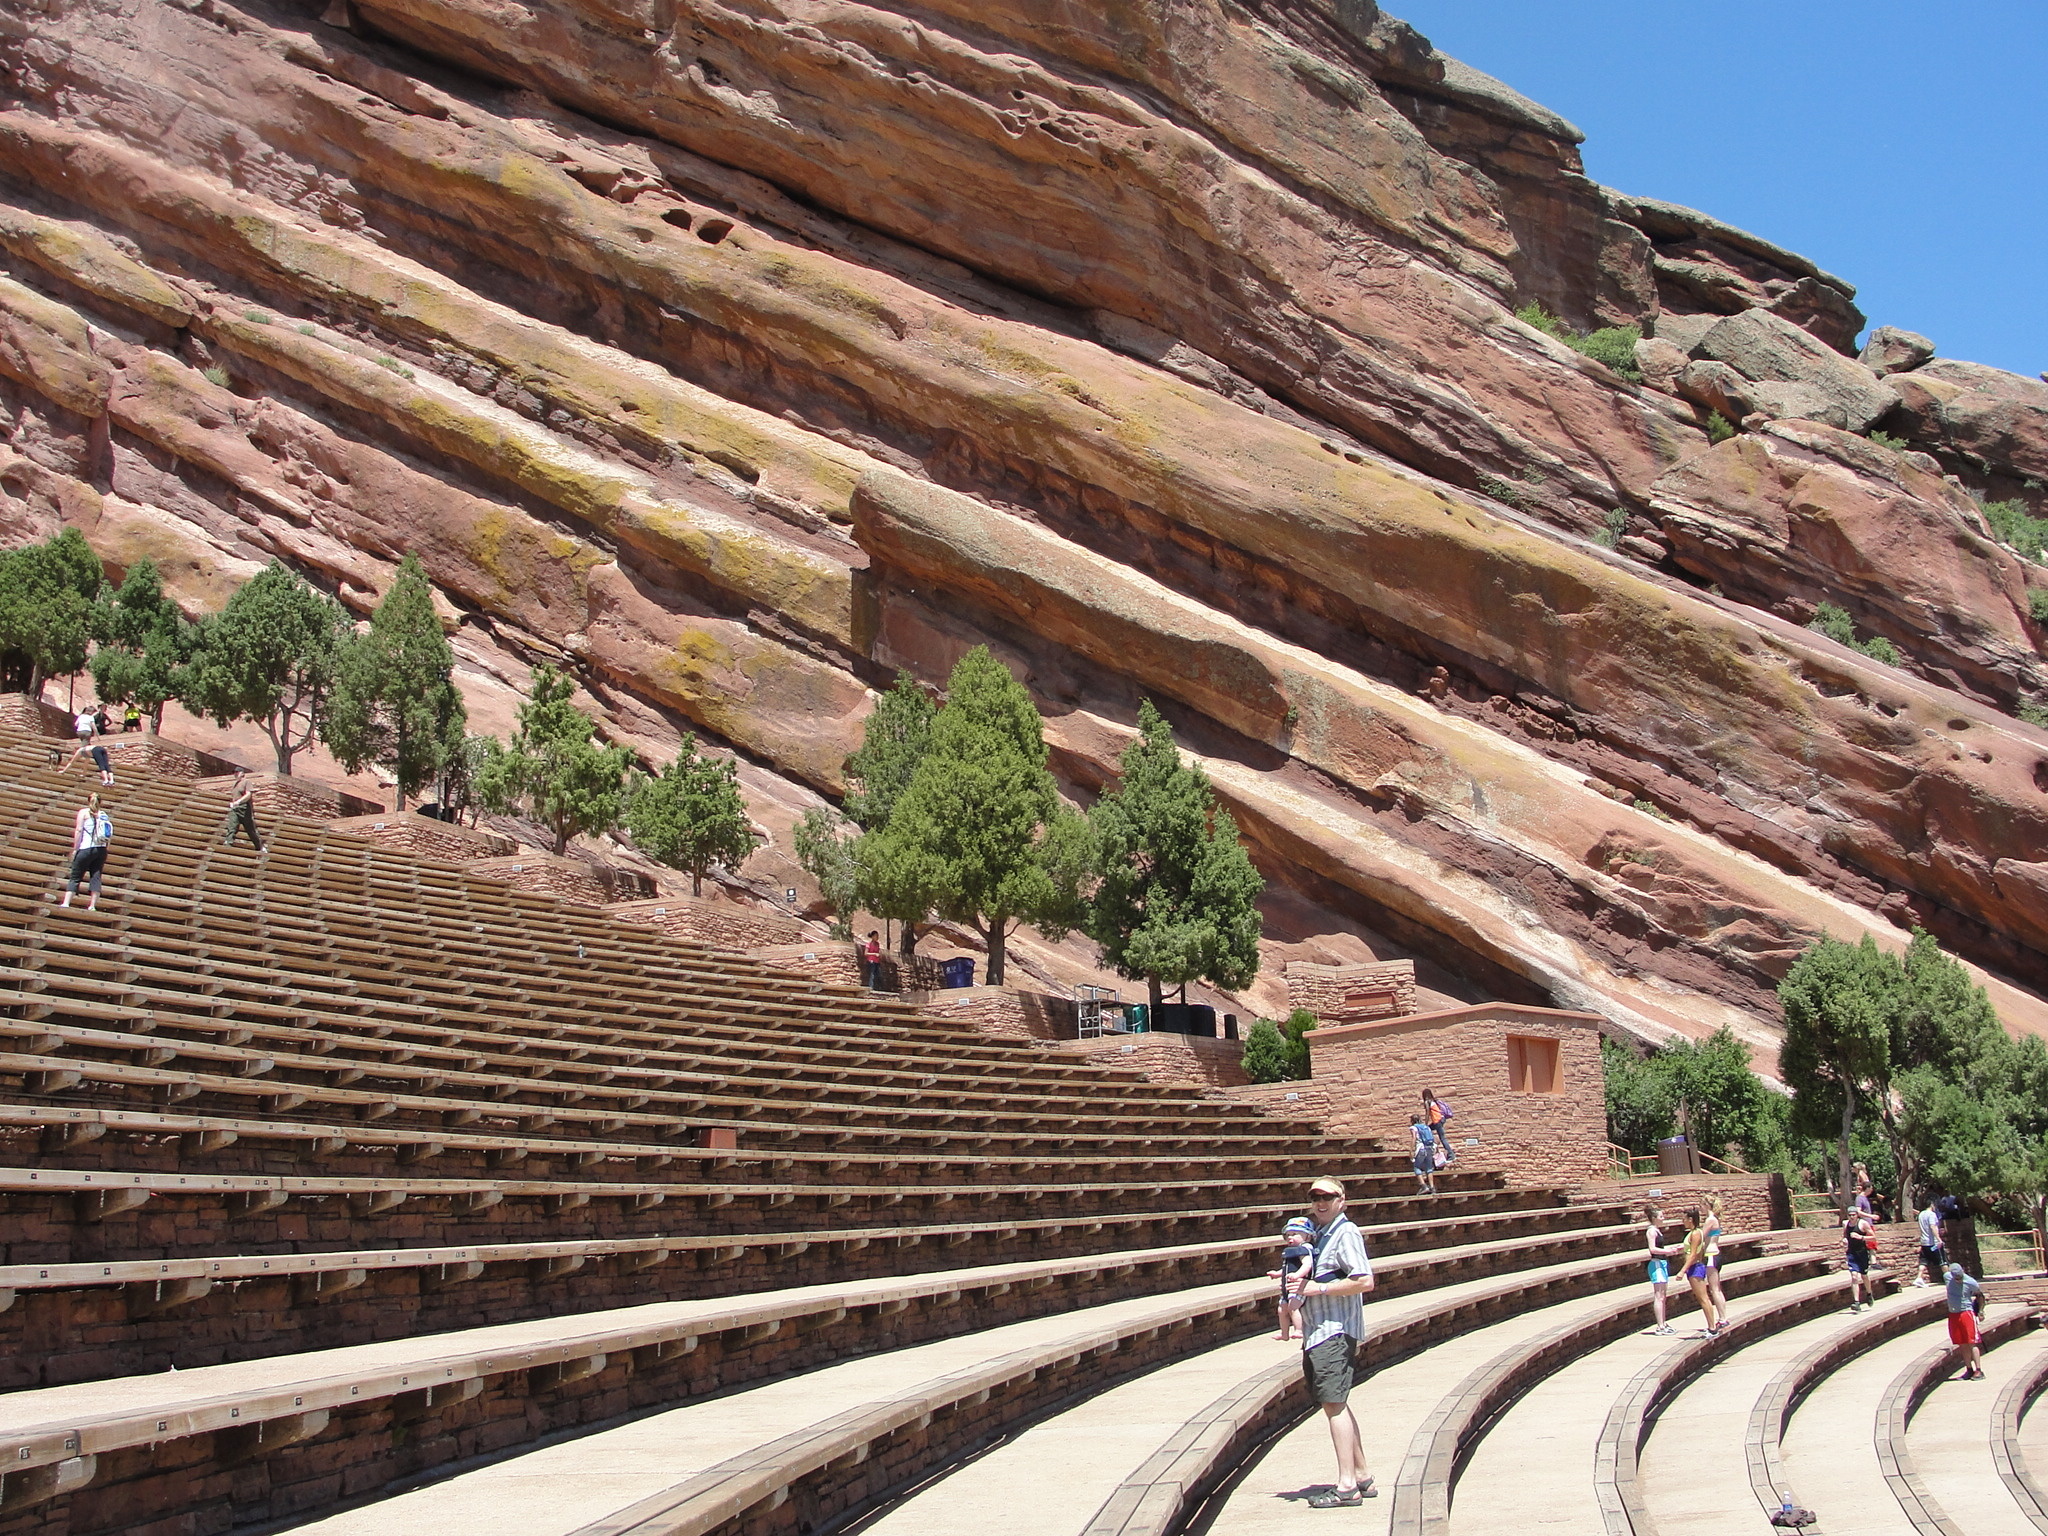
[1299, 1224]
[1326, 1186]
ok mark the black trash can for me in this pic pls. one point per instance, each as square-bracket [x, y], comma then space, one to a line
[1201, 1020]
[1171, 1018]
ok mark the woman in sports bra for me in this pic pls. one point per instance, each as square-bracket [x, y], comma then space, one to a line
[1696, 1269]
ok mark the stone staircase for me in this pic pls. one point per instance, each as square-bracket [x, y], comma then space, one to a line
[351, 1192]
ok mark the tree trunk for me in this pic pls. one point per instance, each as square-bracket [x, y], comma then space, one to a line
[696, 882]
[1156, 993]
[995, 933]
[1847, 1190]
[906, 941]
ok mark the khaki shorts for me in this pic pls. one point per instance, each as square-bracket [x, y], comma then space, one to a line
[1327, 1369]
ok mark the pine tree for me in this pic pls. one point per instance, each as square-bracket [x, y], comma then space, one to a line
[893, 742]
[1839, 1001]
[269, 656]
[1178, 899]
[145, 644]
[49, 605]
[980, 826]
[692, 816]
[394, 701]
[824, 843]
[552, 770]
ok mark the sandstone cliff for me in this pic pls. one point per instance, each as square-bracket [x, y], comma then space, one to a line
[737, 355]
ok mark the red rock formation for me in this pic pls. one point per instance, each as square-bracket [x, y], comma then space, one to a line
[736, 355]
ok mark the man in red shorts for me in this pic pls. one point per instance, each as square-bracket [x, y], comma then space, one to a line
[1964, 1297]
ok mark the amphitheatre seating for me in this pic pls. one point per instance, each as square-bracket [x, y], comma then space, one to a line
[410, 1173]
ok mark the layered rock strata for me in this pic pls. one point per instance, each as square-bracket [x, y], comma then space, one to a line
[735, 356]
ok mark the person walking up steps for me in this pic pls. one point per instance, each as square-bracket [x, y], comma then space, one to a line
[1437, 1115]
[241, 812]
[1933, 1262]
[1332, 1328]
[1965, 1296]
[1424, 1158]
[92, 829]
[86, 725]
[1660, 1266]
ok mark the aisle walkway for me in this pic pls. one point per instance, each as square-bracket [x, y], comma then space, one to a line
[1830, 1454]
[1695, 1468]
[1390, 1406]
[1533, 1472]
[1051, 1479]
[1950, 1441]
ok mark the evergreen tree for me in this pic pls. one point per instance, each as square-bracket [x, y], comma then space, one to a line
[1265, 1053]
[49, 606]
[1178, 899]
[1839, 1001]
[889, 883]
[269, 656]
[553, 771]
[145, 644]
[394, 702]
[825, 843]
[692, 816]
[980, 826]
[893, 742]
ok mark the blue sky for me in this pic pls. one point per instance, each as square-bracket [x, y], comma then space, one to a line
[1901, 146]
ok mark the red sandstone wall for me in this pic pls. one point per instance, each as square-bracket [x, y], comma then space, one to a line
[1375, 1074]
[721, 924]
[1750, 1202]
[591, 885]
[1350, 994]
[429, 838]
[1003, 1012]
[1173, 1059]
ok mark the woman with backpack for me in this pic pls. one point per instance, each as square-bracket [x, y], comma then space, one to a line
[92, 829]
[1436, 1114]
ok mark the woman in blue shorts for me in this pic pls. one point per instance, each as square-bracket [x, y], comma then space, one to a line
[1660, 1264]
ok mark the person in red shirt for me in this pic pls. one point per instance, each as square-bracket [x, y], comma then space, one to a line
[871, 961]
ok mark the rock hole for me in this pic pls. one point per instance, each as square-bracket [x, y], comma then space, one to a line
[680, 217]
[714, 230]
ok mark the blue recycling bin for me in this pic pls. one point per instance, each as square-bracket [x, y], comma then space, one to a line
[957, 972]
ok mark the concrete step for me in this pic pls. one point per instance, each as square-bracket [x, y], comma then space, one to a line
[1951, 1442]
[1701, 1441]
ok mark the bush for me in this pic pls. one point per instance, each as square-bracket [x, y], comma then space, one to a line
[1278, 1053]
[1265, 1053]
[1504, 491]
[1834, 622]
[2019, 531]
[1719, 428]
[2037, 605]
[1613, 345]
[1649, 808]
[1615, 524]
[1886, 440]
[2033, 714]
[217, 376]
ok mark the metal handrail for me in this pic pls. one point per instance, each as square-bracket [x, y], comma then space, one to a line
[2029, 1250]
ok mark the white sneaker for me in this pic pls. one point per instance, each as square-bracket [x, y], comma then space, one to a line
[1920, 1284]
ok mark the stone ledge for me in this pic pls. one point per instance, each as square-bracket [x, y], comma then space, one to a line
[428, 837]
[720, 924]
